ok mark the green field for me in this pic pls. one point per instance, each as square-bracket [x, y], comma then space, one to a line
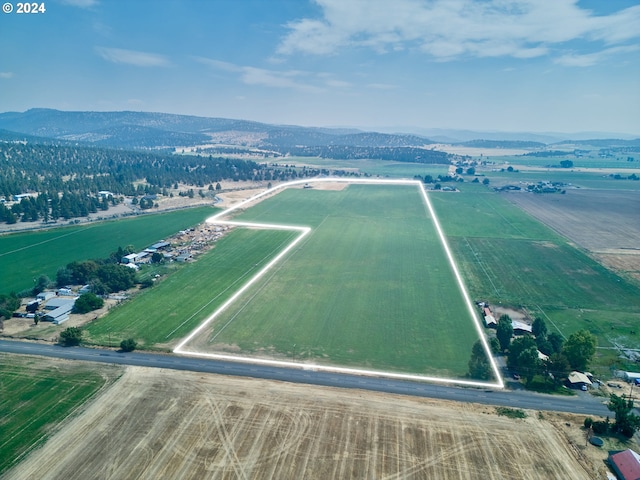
[508, 257]
[369, 287]
[36, 395]
[581, 162]
[382, 168]
[178, 303]
[593, 179]
[25, 256]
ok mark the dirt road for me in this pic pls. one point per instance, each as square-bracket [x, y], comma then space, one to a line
[161, 424]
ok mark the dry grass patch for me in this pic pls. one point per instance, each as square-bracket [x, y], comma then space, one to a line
[162, 424]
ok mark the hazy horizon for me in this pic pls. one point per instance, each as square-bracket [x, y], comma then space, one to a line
[534, 66]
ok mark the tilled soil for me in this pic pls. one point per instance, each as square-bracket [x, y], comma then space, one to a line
[163, 424]
[604, 222]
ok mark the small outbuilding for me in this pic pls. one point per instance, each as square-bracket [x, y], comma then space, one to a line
[131, 258]
[44, 296]
[625, 464]
[578, 380]
[184, 257]
[631, 376]
[490, 321]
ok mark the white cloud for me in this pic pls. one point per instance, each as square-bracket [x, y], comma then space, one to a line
[291, 79]
[6, 75]
[447, 29]
[133, 57]
[589, 59]
[273, 78]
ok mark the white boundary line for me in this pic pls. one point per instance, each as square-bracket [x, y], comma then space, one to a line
[304, 231]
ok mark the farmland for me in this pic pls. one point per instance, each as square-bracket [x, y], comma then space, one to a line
[161, 424]
[508, 257]
[605, 224]
[25, 256]
[35, 396]
[177, 304]
[369, 287]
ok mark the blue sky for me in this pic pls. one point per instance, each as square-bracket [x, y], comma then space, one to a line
[507, 65]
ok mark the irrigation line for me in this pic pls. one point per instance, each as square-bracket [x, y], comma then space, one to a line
[304, 231]
[475, 254]
[237, 280]
[46, 241]
[552, 322]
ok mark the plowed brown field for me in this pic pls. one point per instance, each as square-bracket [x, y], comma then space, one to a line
[161, 424]
[604, 222]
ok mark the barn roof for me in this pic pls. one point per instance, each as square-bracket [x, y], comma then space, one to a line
[627, 464]
[577, 377]
[525, 327]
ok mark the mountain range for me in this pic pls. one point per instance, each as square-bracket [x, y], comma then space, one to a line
[148, 130]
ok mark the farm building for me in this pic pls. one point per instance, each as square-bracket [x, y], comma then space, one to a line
[58, 302]
[65, 291]
[520, 328]
[631, 376]
[625, 464]
[19, 197]
[143, 257]
[183, 257]
[159, 246]
[489, 319]
[60, 314]
[578, 380]
[131, 258]
[44, 296]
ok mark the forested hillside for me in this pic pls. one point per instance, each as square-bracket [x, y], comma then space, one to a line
[156, 131]
[64, 181]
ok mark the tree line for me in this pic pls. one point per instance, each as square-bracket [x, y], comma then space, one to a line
[562, 356]
[67, 179]
[398, 154]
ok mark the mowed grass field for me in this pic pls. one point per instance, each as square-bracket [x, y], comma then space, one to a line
[177, 304]
[35, 395]
[369, 287]
[25, 256]
[508, 257]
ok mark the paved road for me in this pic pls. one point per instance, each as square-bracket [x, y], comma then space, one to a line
[586, 405]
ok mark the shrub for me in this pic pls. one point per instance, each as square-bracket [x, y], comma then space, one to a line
[588, 422]
[70, 337]
[511, 412]
[600, 427]
[128, 345]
